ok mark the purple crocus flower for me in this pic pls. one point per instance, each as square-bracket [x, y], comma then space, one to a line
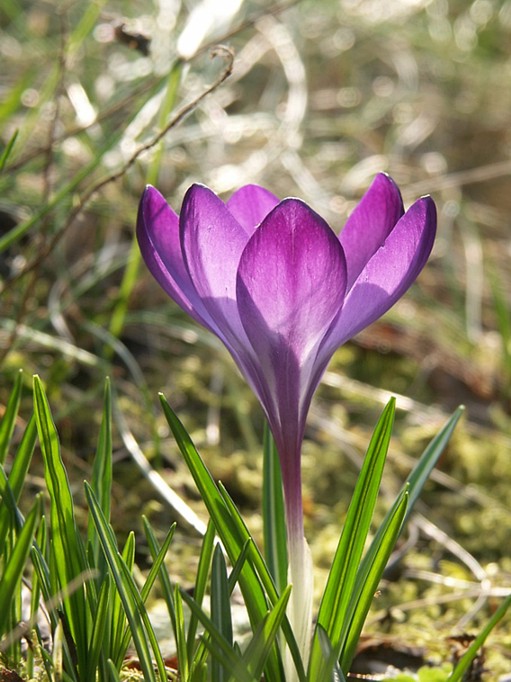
[282, 291]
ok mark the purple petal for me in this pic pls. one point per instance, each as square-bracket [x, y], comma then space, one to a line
[291, 284]
[212, 242]
[369, 225]
[250, 205]
[389, 273]
[158, 237]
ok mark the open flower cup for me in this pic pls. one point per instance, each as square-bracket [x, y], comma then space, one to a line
[282, 291]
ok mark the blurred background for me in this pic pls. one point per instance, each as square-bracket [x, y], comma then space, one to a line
[309, 99]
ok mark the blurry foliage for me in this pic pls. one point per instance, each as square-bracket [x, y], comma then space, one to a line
[322, 96]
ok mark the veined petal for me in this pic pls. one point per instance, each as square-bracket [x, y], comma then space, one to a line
[369, 225]
[291, 284]
[389, 273]
[250, 205]
[158, 237]
[212, 242]
[291, 280]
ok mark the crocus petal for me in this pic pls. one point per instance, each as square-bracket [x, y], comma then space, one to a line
[389, 273]
[369, 225]
[158, 237]
[212, 242]
[291, 284]
[250, 204]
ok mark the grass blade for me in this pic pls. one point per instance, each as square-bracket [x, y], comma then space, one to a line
[230, 530]
[342, 576]
[274, 517]
[220, 649]
[126, 589]
[368, 578]
[261, 643]
[220, 609]
[67, 551]
[13, 571]
[4, 157]
[9, 419]
[464, 663]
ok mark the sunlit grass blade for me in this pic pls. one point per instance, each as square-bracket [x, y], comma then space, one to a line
[257, 561]
[14, 567]
[4, 156]
[274, 517]
[342, 576]
[220, 610]
[463, 664]
[9, 419]
[262, 641]
[427, 461]
[125, 588]
[166, 586]
[10, 488]
[180, 635]
[229, 529]
[101, 481]
[100, 636]
[331, 669]
[67, 551]
[368, 578]
[201, 581]
[225, 527]
[220, 649]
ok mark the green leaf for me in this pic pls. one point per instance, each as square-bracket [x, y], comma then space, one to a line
[230, 530]
[274, 515]
[464, 663]
[201, 581]
[368, 578]
[331, 669]
[9, 419]
[15, 566]
[4, 156]
[343, 573]
[180, 635]
[221, 650]
[102, 468]
[220, 609]
[67, 551]
[125, 586]
[260, 645]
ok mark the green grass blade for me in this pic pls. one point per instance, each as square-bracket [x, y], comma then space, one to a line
[368, 579]
[274, 516]
[133, 607]
[67, 550]
[463, 664]
[180, 636]
[256, 560]
[100, 635]
[201, 581]
[15, 566]
[7, 150]
[10, 488]
[342, 576]
[428, 459]
[220, 609]
[166, 585]
[225, 527]
[229, 529]
[221, 650]
[331, 671]
[261, 643]
[101, 481]
[9, 419]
